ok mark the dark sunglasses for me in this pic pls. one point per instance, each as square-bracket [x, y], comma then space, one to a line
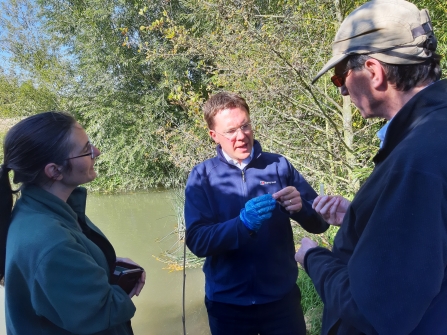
[339, 79]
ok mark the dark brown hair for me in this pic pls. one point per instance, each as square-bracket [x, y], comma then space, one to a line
[28, 147]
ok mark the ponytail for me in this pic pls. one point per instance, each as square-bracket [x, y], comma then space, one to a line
[5, 215]
[27, 148]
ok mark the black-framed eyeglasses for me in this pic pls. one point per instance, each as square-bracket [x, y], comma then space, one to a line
[91, 153]
[232, 133]
[339, 79]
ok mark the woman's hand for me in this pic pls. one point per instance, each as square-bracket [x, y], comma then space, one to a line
[141, 281]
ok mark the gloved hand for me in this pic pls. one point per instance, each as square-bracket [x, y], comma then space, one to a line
[257, 210]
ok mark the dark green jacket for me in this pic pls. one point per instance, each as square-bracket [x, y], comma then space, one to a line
[57, 279]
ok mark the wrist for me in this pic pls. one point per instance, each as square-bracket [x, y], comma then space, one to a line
[306, 257]
[252, 226]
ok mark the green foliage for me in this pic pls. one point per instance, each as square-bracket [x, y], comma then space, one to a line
[126, 99]
[135, 74]
[35, 54]
[178, 254]
[438, 14]
[21, 99]
[2, 136]
[263, 50]
[310, 303]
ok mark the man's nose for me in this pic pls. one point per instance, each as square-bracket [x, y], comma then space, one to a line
[344, 91]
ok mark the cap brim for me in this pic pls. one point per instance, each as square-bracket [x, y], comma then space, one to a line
[329, 65]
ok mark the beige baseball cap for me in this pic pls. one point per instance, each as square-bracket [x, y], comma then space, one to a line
[392, 31]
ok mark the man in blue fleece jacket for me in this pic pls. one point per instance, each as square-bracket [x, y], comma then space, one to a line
[237, 211]
[387, 271]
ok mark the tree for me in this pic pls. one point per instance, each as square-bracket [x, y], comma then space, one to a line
[135, 73]
[22, 99]
[268, 52]
[32, 67]
[121, 97]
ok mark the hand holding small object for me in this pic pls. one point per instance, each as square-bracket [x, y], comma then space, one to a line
[290, 198]
[141, 281]
[332, 208]
[256, 211]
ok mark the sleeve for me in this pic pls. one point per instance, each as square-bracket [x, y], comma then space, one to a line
[72, 291]
[205, 236]
[310, 220]
[397, 267]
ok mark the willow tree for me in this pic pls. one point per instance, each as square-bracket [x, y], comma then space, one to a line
[136, 73]
[116, 92]
[33, 69]
[269, 52]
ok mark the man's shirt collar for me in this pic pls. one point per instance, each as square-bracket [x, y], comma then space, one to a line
[241, 165]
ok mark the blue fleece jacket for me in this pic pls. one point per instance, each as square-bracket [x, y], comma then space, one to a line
[243, 268]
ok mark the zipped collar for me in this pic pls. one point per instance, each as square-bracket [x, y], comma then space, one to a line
[257, 151]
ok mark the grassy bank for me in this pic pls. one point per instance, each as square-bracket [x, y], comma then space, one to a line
[311, 303]
[2, 136]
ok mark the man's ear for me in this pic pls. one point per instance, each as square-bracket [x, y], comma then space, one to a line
[53, 171]
[377, 73]
[213, 135]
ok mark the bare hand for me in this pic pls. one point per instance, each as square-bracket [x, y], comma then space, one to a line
[141, 281]
[289, 198]
[306, 244]
[332, 208]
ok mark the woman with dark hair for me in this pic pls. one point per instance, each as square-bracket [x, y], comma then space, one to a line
[56, 265]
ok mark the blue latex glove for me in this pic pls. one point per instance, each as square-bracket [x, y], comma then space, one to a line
[257, 210]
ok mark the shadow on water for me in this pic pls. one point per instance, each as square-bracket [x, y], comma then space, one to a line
[135, 224]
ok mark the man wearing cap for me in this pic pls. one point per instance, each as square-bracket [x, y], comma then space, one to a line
[386, 273]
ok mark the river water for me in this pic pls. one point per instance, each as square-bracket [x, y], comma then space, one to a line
[137, 224]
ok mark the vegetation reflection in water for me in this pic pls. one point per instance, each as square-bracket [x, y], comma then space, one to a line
[139, 226]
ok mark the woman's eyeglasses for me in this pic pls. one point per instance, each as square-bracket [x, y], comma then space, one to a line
[91, 153]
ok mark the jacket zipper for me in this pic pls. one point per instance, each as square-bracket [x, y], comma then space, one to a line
[243, 176]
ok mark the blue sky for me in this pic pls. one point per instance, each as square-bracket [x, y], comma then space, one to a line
[4, 54]
[26, 18]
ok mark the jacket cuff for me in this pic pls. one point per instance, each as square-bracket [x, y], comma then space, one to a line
[251, 233]
[306, 257]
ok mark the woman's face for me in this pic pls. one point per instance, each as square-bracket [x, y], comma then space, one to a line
[82, 163]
